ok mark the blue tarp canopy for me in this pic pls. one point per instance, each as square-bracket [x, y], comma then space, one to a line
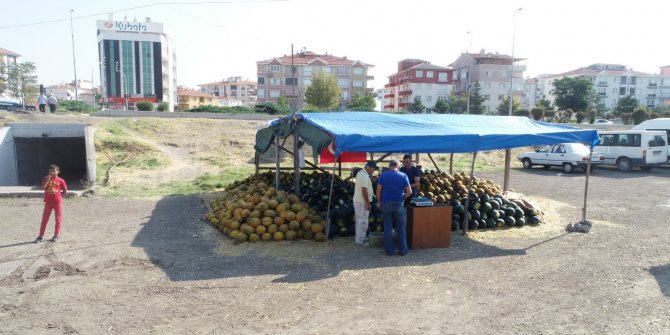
[427, 133]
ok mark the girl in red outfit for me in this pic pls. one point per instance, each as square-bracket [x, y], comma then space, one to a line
[54, 190]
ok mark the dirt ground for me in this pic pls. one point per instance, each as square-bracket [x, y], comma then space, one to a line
[153, 266]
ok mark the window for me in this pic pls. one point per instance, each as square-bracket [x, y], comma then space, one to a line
[624, 80]
[429, 74]
[261, 93]
[275, 81]
[344, 94]
[357, 83]
[419, 74]
[359, 71]
[275, 93]
[651, 102]
[442, 76]
[502, 74]
[343, 82]
[502, 86]
[306, 82]
[291, 81]
[275, 68]
[287, 69]
[501, 97]
[342, 70]
[487, 85]
[442, 88]
[487, 74]
[307, 70]
[622, 91]
[631, 91]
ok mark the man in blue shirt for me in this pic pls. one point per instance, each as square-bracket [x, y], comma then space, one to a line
[392, 190]
[413, 173]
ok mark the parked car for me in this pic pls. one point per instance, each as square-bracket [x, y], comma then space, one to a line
[10, 106]
[566, 155]
[602, 121]
[633, 148]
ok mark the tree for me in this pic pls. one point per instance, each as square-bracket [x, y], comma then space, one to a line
[477, 100]
[416, 106]
[323, 92]
[441, 106]
[639, 115]
[21, 80]
[574, 93]
[522, 112]
[362, 103]
[567, 114]
[282, 103]
[503, 108]
[457, 104]
[537, 113]
[626, 104]
[580, 116]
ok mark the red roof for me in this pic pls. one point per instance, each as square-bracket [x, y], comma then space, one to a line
[7, 52]
[307, 57]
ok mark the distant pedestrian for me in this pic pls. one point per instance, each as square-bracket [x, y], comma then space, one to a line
[54, 190]
[53, 102]
[392, 190]
[42, 102]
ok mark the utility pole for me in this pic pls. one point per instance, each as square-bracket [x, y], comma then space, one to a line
[74, 60]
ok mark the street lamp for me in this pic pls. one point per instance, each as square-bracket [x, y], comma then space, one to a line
[467, 109]
[511, 66]
[74, 61]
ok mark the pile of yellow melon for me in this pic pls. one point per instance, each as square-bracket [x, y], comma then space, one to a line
[253, 211]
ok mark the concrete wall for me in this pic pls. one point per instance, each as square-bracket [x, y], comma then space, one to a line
[8, 173]
[8, 163]
[47, 130]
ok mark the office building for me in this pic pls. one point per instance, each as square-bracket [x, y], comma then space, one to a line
[138, 59]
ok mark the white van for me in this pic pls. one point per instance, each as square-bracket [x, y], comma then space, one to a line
[656, 124]
[630, 148]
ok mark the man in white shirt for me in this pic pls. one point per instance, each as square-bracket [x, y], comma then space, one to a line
[363, 193]
[42, 102]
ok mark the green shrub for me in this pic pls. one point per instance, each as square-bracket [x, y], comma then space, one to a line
[144, 106]
[163, 107]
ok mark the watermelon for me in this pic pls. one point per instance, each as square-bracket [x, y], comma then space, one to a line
[510, 221]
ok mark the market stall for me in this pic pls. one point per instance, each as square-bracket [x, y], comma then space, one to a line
[373, 132]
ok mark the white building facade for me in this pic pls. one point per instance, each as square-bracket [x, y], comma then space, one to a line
[139, 59]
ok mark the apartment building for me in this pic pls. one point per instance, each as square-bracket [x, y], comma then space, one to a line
[492, 71]
[611, 82]
[191, 98]
[276, 77]
[233, 91]
[139, 59]
[416, 78]
[8, 59]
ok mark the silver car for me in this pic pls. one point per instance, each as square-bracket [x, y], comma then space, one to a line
[566, 155]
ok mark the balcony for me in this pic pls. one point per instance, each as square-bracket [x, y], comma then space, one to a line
[389, 95]
[602, 83]
[652, 85]
[405, 92]
[389, 106]
[519, 67]
[651, 96]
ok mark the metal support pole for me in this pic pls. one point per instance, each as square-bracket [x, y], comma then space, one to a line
[277, 162]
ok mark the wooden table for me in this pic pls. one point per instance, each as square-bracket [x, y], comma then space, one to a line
[429, 227]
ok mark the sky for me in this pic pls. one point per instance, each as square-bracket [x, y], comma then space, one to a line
[219, 39]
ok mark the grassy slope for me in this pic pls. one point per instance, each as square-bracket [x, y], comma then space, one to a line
[223, 149]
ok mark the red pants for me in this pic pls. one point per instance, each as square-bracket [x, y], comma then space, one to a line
[48, 207]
